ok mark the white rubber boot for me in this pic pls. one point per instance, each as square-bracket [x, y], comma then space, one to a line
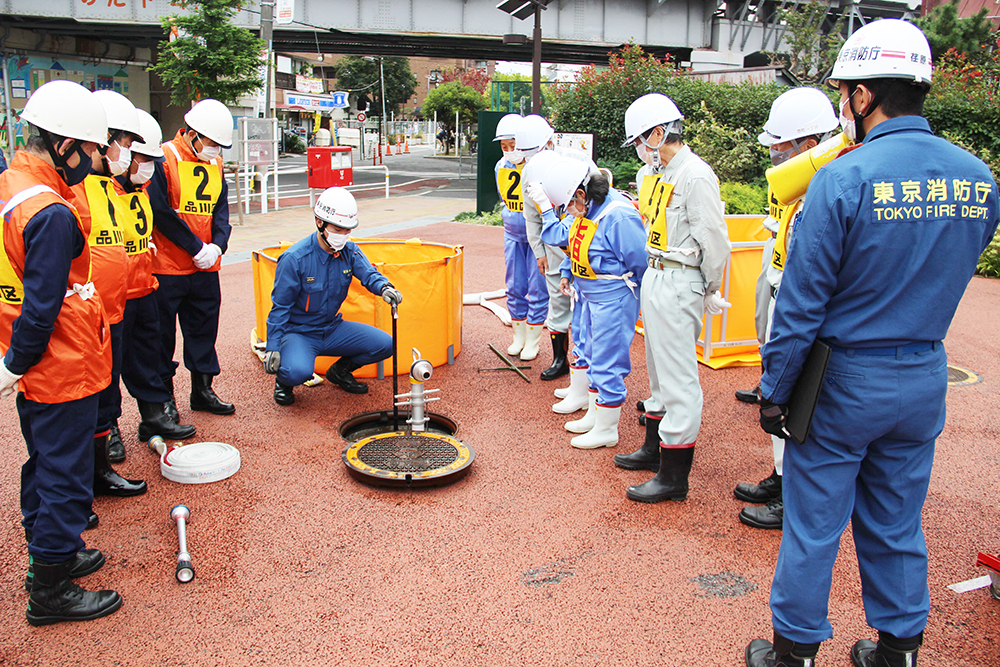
[531, 340]
[576, 393]
[520, 327]
[561, 392]
[586, 422]
[605, 431]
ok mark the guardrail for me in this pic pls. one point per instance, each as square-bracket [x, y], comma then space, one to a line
[250, 176]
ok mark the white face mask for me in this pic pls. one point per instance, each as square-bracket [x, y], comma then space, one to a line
[850, 130]
[644, 154]
[144, 173]
[209, 153]
[336, 241]
[514, 157]
[124, 161]
[653, 152]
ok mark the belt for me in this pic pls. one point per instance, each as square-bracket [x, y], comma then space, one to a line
[899, 350]
[663, 264]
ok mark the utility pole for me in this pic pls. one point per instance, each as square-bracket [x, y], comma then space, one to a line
[536, 63]
[266, 29]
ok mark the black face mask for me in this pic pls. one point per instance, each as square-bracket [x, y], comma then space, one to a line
[70, 175]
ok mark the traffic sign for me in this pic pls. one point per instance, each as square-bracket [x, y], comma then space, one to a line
[362, 117]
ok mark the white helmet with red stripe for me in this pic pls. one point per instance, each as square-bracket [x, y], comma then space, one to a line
[885, 49]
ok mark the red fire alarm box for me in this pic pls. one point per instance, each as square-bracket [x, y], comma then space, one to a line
[330, 166]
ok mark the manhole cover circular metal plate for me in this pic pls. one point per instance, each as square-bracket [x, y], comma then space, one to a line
[958, 377]
[408, 459]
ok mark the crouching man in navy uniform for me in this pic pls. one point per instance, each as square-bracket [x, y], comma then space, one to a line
[310, 285]
[887, 242]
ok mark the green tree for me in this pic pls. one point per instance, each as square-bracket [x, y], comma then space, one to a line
[451, 98]
[812, 42]
[210, 57]
[974, 36]
[355, 73]
[512, 93]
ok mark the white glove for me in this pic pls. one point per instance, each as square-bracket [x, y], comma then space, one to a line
[714, 303]
[152, 246]
[391, 295]
[535, 193]
[207, 256]
[8, 381]
[272, 361]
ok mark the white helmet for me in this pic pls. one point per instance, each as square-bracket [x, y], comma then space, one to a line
[507, 126]
[885, 49]
[212, 119]
[798, 113]
[121, 113]
[537, 167]
[563, 178]
[647, 112]
[67, 109]
[532, 134]
[338, 207]
[151, 135]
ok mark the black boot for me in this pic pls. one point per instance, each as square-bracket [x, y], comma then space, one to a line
[156, 422]
[106, 481]
[671, 481]
[752, 396]
[204, 399]
[92, 521]
[170, 407]
[116, 448]
[890, 651]
[764, 491]
[340, 375]
[85, 562]
[782, 653]
[768, 517]
[283, 393]
[560, 365]
[55, 598]
[647, 457]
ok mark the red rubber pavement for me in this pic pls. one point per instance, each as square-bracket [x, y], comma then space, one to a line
[534, 558]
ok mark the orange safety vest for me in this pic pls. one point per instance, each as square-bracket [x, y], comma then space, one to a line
[193, 188]
[135, 214]
[77, 361]
[94, 201]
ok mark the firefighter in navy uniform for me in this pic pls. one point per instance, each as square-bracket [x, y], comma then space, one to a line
[190, 200]
[56, 346]
[94, 200]
[887, 242]
[310, 284]
[141, 351]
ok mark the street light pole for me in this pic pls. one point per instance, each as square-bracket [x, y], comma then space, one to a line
[381, 76]
[266, 29]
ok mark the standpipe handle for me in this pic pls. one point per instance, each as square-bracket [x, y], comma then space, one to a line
[185, 571]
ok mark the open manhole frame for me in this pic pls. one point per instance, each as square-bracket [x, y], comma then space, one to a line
[963, 377]
[452, 472]
[437, 423]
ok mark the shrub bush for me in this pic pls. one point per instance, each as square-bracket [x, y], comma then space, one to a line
[744, 199]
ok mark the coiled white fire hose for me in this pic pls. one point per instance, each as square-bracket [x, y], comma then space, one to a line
[197, 463]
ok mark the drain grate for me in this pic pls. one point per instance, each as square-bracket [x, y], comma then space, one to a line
[958, 377]
[408, 459]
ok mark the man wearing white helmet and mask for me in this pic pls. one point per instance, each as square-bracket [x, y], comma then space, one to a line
[190, 200]
[94, 200]
[527, 296]
[141, 346]
[687, 246]
[310, 285]
[56, 345]
[800, 119]
[886, 244]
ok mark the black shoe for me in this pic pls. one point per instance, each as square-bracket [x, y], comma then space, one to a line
[890, 651]
[560, 364]
[647, 457]
[340, 375]
[204, 399]
[283, 394]
[768, 517]
[170, 407]
[671, 481]
[642, 419]
[106, 481]
[116, 448]
[85, 562]
[762, 492]
[640, 406]
[752, 396]
[782, 653]
[155, 421]
[55, 598]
